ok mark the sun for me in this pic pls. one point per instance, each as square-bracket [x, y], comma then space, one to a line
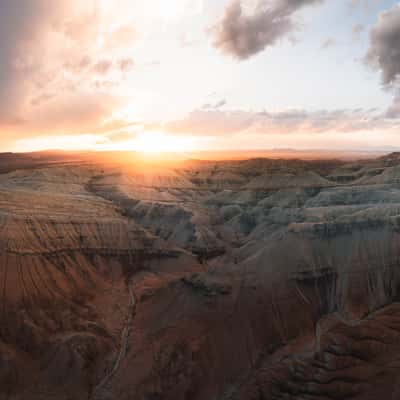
[159, 142]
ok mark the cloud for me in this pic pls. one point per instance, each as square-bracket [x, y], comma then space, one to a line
[75, 112]
[394, 110]
[78, 66]
[117, 137]
[126, 64]
[37, 45]
[242, 35]
[123, 36]
[366, 5]
[355, 3]
[384, 54]
[102, 67]
[330, 42]
[384, 51]
[21, 23]
[52, 79]
[215, 106]
[214, 122]
[211, 123]
[357, 30]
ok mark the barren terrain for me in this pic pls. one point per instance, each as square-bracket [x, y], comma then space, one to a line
[199, 280]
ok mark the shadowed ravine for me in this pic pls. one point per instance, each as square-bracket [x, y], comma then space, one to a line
[123, 346]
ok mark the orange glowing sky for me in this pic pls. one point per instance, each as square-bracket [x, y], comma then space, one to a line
[189, 75]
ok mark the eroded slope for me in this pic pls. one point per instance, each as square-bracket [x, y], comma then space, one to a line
[256, 279]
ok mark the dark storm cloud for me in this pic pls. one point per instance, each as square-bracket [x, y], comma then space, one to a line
[384, 51]
[242, 35]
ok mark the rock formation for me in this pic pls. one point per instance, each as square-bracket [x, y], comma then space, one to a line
[249, 279]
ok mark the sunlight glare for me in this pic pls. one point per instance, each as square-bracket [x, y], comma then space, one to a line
[175, 9]
[158, 142]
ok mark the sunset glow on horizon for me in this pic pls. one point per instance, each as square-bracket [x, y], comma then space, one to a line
[191, 75]
[145, 142]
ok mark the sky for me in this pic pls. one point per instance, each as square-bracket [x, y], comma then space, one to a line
[189, 75]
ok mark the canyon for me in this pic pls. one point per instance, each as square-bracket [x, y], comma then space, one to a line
[125, 278]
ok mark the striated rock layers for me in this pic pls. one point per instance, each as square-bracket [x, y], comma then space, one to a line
[255, 279]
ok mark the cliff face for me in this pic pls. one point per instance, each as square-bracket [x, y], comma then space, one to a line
[255, 279]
